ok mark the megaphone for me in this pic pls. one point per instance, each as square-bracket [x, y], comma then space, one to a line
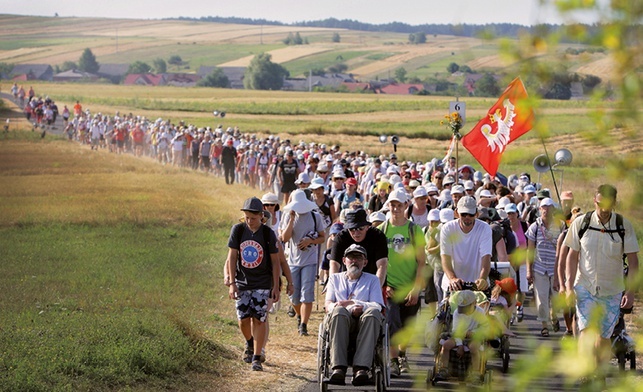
[383, 138]
[215, 113]
[395, 139]
[563, 157]
[541, 163]
[222, 114]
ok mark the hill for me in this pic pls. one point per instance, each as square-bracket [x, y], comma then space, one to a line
[368, 54]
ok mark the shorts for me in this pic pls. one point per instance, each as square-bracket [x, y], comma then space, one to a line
[398, 314]
[287, 188]
[253, 303]
[609, 308]
[120, 143]
[304, 281]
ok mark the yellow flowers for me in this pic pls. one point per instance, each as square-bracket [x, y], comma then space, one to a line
[453, 121]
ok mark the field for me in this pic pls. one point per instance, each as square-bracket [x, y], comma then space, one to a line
[53, 41]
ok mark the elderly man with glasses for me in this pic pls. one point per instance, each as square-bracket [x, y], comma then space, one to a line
[358, 230]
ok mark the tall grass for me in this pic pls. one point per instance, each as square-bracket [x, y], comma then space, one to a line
[108, 270]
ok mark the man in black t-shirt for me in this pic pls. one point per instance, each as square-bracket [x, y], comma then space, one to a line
[357, 230]
[253, 263]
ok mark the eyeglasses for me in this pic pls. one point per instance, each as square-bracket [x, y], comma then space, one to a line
[465, 215]
[353, 230]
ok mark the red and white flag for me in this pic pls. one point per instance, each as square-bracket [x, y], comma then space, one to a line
[506, 121]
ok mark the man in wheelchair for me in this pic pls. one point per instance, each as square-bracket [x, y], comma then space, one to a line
[354, 305]
[469, 325]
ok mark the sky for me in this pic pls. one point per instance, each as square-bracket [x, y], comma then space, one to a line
[414, 12]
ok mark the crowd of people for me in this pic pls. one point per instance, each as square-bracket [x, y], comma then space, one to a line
[423, 229]
[415, 229]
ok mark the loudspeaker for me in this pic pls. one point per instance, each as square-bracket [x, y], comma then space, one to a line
[563, 157]
[383, 139]
[395, 139]
[541, 163]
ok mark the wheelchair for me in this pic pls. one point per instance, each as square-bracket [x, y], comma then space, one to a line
[380, 376]
[458, 368]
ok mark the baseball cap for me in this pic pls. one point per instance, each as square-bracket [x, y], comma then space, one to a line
[546, 202]
[465, 298]
[336, 228]
[486, 193]
[434, 215]
[351, 181]
[457, 189]
[468, 185]
[511, 207]
[508, 285]
[543, 193]
[446, 215]
[355, 249]
[316, 183]
[567, 195]
[398, 194]
[529, 189]
[467, 205]
[420, 192]
[252, 205]
[376, 216]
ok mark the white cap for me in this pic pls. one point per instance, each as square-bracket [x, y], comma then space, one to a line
[468, 185]
[546, 202]
[434, 215]
[467, 205]
[420, 192]
[446, 215]
[397, 195]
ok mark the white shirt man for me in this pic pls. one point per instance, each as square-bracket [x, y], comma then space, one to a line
[465, 248]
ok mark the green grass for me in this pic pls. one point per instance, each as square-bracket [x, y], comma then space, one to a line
[86, 308]
[322, 60]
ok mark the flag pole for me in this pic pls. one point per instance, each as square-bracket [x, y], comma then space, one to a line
[551, 170]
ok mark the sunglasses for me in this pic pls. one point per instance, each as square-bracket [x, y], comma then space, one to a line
[353, 230]
[464, 215]
[269, 205]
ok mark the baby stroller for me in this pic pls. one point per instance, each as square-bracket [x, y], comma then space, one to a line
[441, 325]
[622, 344]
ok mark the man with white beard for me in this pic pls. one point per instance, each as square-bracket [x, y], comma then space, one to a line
[353, 302]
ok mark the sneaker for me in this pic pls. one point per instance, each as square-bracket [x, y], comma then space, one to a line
[303, 329]
[556, 325]
[404, 365]
[256, 366]
[298, 321]
[395, 368]
[520, 313]
[291, 311]
[247, 354]
[262, 359]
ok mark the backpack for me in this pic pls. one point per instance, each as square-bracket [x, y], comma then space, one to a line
[620, 229]
[411, 231]
[507, 235]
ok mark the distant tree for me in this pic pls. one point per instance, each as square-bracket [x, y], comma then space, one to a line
[289, 40]
[453, 67]
[487, 86]
[316, 72]
[139, 67]
[336, 37]
[298, 40]
[591, 81]
[414, 80]
[159, 65]
[400, 75]
[306, 41]
[216, 78]
[263, 74]
[337, 68]
[87, 62]
[465, 69]
[67, 65]
[5, 70]
[412, 38]
[175, 60]
[420, 38]
[559, 91]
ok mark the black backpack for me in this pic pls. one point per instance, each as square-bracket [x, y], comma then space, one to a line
[620, 229]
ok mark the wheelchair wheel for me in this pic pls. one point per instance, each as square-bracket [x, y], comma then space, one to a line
[322, 360]
[429, 378]
[380, 380]
[504, 353]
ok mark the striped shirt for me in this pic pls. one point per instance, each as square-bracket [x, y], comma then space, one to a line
[545, 239]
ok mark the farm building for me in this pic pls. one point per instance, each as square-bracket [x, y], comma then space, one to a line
[234, 74]
[306, 84]
[32, 72]
[113, 72]
[74, 75]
